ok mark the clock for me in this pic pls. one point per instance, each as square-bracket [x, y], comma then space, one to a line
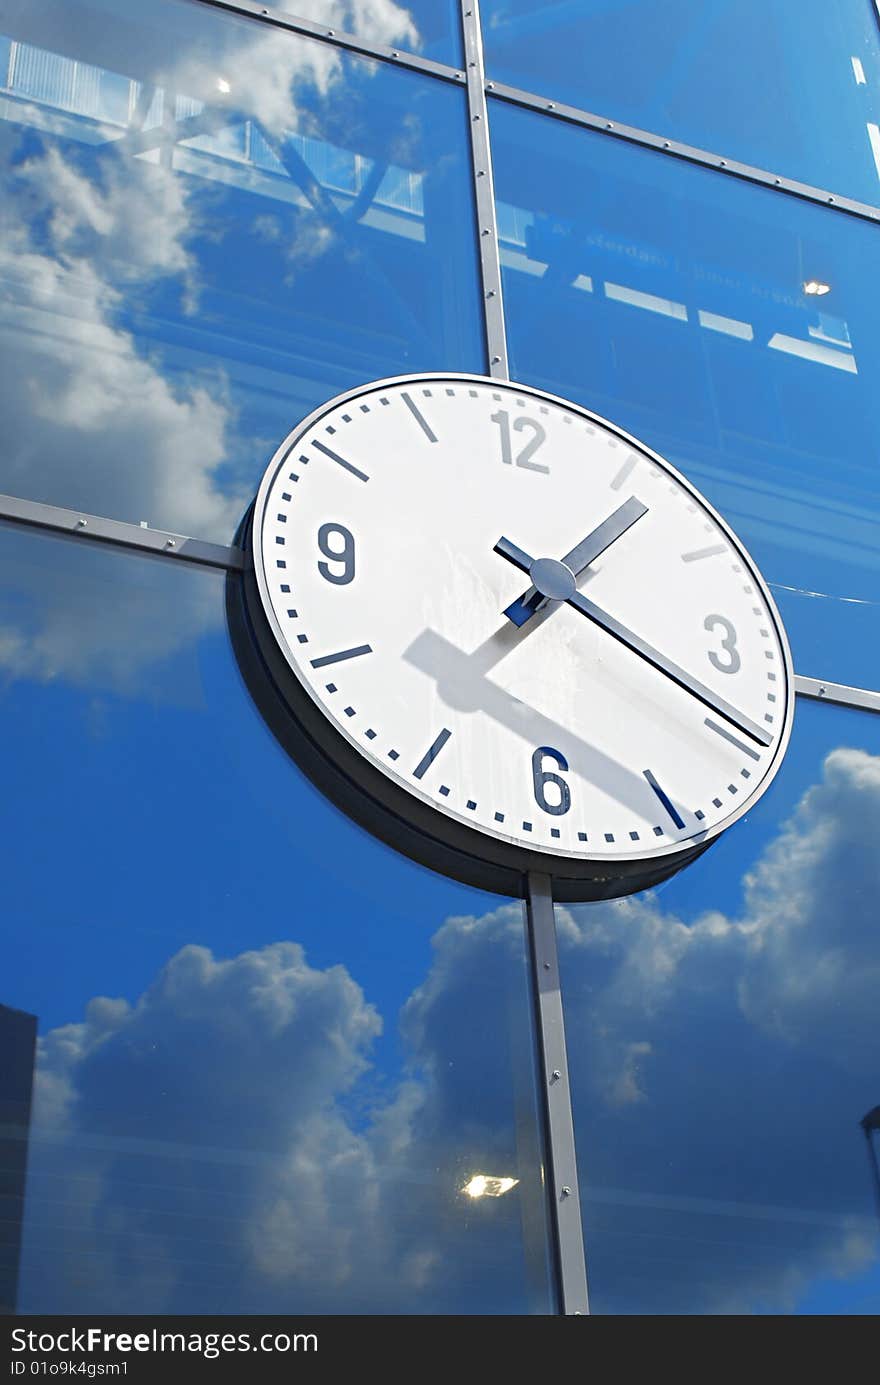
[508, 637]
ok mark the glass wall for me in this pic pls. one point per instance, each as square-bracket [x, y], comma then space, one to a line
[673, 300]
[792, 86]
[280, 1068]
[210, 227]
[263, 1083]
[723, 1048]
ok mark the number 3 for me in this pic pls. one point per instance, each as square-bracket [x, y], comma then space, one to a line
[728, 644]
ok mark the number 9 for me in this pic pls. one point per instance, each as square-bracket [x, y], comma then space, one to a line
[343, 556]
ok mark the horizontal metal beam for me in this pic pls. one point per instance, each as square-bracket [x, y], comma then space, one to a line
[823, 691]
[96, 529]
[161, 543]
[573, 115]
[353, 43]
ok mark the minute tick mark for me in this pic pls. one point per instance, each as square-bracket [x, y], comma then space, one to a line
[664, 799]
[419, 417]
[335, 457]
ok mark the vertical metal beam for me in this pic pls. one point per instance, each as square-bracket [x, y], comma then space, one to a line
[563, 1176]
[484, 191]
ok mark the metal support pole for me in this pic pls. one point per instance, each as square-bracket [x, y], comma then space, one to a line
[562, 1172]
[484, 192]
[821, 690]
[158, 543]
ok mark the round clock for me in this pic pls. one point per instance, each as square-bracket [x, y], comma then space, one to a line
[512, 638]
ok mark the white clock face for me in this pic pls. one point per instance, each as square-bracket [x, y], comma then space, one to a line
[523, 617]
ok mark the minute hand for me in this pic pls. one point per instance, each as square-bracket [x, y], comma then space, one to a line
[666, 666]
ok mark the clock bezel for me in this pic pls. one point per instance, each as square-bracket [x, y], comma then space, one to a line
[404, 815]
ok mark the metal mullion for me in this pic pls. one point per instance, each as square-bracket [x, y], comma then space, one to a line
[280, 19]
[97, 529]
[484, 193]
[705, 158]
[562, 1180]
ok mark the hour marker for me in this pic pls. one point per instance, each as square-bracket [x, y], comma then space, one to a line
[623, 473]
[419, 417]
[431, 754]
[729, 736]
[698, 553]
[664, 799]
[335, 457]
[341, 654]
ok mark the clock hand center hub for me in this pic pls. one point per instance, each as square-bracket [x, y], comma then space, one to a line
[552, 579]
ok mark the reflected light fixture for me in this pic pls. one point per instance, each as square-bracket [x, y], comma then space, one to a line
[816, 287]
[223, 85]
[485, 1185]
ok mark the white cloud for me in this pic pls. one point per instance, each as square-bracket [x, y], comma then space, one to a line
[382, 21]
[716, 1100]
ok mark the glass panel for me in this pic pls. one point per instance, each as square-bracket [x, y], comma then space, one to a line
[723, 1041]
[677, 303]
[209, 227]
[429, 27]
[272, 1053]
[792, 86]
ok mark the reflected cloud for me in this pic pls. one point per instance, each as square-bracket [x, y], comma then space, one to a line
[231, 1117]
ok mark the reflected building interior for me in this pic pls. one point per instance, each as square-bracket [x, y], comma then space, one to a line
[279, 1067]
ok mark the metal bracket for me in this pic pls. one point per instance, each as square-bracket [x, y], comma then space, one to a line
[96, 529]
[841, 693]
[563, 1180]
[573, 115]
[281, 19]
[484, 192]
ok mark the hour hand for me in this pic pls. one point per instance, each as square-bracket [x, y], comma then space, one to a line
[578, 559]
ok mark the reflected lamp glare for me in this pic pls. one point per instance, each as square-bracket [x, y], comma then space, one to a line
[816, 287]
[485, 1185]
[223, 85]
